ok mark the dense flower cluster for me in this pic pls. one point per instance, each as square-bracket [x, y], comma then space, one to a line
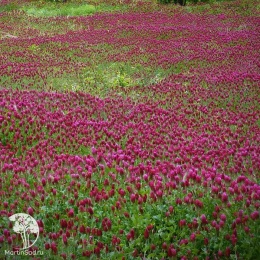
[150, 39]
[165, 170]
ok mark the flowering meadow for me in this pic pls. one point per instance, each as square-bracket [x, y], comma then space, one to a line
[132, 132]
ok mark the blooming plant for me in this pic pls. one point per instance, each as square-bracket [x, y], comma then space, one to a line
[134, 135]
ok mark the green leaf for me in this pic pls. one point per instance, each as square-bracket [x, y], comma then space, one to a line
[157, 217]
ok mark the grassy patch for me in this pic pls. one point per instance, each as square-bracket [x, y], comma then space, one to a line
[9, 7]
[243, 7]
[68, 9]
[103, 78]
[65, 10]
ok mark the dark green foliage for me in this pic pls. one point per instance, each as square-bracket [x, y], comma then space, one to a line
[165, 1]
[181, 2]
[57, 1]
[8, 7]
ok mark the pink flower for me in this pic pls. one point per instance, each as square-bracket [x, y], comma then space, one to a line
[30, 211]
[203, 219]
[182, 222]
[171, 252]
[132, 197]
[224, 197]
[64, 239]
[146, 233]
[71, 213]
[145, 176]
[223, 217]
[44, 181]
[106, 224]
[192, 237]
[82, 229]
[254, 215]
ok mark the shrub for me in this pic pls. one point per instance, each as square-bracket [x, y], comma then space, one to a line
[181, 2]
[57, 1]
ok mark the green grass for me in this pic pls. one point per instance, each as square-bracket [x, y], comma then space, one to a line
[100, 79]
[68, 9]
[8, 7]
[243, 7]
[65, 10]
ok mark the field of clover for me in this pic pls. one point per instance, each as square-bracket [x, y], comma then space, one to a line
[131, 129]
